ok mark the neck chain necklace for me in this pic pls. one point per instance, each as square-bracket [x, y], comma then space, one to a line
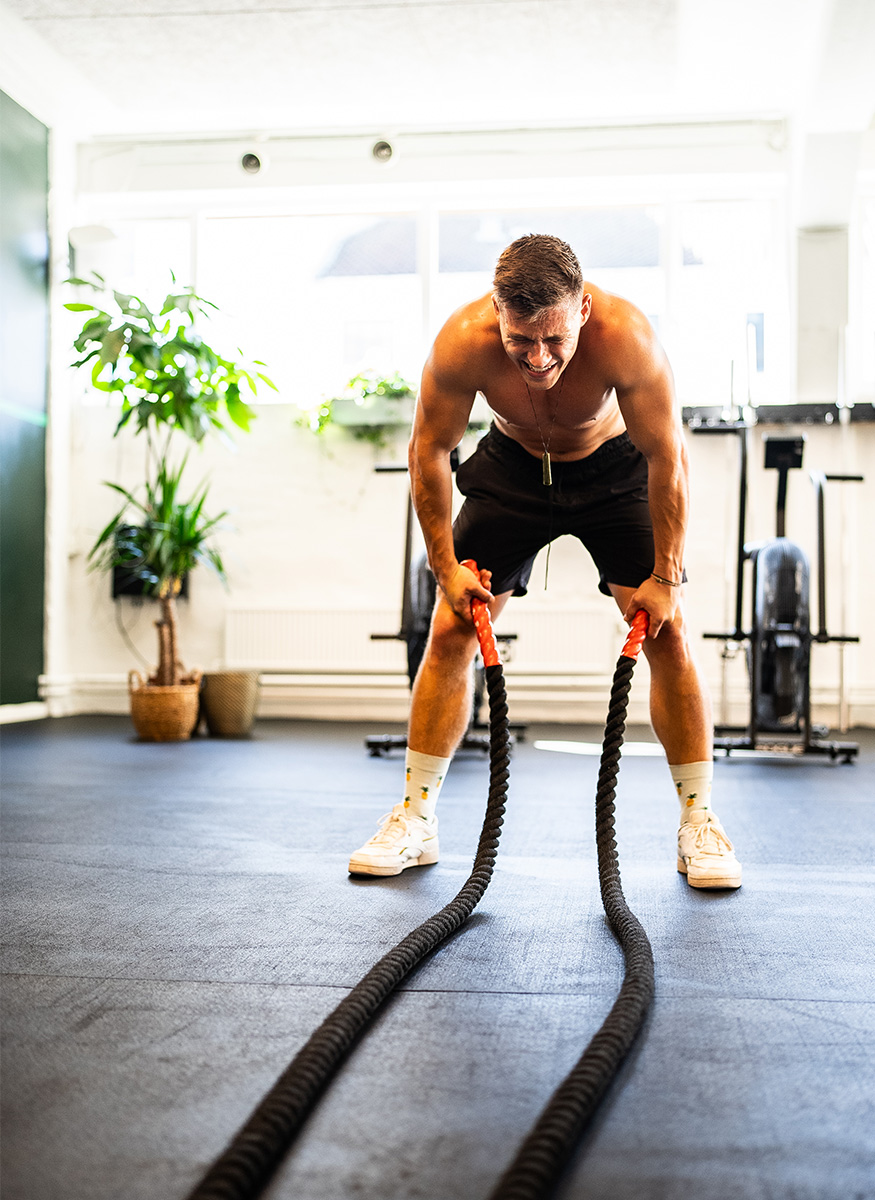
[546, 472]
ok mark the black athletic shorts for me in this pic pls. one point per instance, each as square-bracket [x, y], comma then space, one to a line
[509, 515]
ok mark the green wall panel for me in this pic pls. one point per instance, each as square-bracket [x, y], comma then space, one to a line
[23, 385]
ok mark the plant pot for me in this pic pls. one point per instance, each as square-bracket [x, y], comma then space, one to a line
[228, 702]
[164, 714]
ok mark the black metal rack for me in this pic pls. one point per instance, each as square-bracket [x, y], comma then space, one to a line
[782, 454]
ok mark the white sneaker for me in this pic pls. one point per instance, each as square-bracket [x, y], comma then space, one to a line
[705, 853]
[401, 841]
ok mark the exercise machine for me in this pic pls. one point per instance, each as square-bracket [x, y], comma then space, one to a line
[418, 595]
[779, 640]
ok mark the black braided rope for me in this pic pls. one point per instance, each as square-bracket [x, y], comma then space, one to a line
[535, 1172]
[246, 1165]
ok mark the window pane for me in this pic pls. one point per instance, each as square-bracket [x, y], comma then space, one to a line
[139, 257]
[618, 249]
[318, 298]
[607, 237]
[861, 330]
[386, 247]
[730, 311]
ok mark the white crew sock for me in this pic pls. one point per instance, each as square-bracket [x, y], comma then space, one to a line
[693, 784]
[424, 778]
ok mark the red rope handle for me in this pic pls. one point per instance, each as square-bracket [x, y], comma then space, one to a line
[483, 624]
[637, 634]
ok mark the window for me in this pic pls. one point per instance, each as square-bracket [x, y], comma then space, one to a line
[320, 296]
[860, 383]
[730, 305]
[619, 248]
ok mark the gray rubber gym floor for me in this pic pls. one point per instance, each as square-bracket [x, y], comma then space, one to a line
[179, 919]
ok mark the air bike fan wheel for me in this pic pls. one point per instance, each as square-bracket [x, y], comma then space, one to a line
[247, 1164]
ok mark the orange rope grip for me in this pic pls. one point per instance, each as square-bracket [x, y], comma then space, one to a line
[483, 624]
[637, 634]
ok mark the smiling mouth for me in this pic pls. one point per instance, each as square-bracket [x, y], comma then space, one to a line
[539, 370]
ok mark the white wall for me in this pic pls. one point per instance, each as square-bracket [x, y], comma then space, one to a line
[319, 534]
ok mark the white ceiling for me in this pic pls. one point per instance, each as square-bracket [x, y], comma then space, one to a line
[225, 66]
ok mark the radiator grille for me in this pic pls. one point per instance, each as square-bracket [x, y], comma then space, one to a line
[278, 639]
[562, 642]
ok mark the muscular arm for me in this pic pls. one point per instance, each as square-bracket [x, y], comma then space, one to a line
[442, 412]
[647, 401]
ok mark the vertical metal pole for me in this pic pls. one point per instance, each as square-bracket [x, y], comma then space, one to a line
[754, 658]
[406, 598]
[818, 479]
[742, 518]
[780, 522]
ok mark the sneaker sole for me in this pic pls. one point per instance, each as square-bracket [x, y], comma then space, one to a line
[360, 867]
[710, 881]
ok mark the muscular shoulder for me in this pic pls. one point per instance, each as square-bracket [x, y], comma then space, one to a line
[467, 343]
[624, 341]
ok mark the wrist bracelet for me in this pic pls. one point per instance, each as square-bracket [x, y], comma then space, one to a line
[667, 582]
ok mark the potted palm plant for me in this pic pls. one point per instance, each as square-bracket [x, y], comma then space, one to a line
[171, 384]
[159, 539]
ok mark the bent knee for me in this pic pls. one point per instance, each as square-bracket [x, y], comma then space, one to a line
[450, 637]
[671, 643]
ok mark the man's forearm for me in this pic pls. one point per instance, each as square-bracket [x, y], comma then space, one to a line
[669, 504]
[431, 484]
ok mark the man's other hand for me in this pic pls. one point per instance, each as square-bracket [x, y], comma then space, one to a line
[659, 601]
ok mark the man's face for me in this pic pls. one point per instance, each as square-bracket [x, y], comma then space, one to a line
[543, 346]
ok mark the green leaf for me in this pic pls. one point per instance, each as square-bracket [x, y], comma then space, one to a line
[93, 330]
[144, 348]
[111, 345]
[179, 303]
[77, 307]
[106, 534]
[123, 420]
[239, 412]
[129, 496]
[95, 371]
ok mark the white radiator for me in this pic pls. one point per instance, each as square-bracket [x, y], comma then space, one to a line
[312, 640]
[563, 642]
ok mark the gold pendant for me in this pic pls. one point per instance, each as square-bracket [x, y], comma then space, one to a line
[546, 472]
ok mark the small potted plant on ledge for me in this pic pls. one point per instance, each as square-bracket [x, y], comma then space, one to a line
[171, 383]
[371, 406]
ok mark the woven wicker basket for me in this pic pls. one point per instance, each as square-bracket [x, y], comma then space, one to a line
[228, 702]
[164, 714]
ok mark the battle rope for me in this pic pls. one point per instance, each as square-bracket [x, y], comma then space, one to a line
[247, 1163]
[538, 1165]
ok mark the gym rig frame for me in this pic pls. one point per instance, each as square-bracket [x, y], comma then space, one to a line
[783, 454]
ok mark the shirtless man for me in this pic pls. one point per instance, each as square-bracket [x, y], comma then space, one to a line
[586, 440]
